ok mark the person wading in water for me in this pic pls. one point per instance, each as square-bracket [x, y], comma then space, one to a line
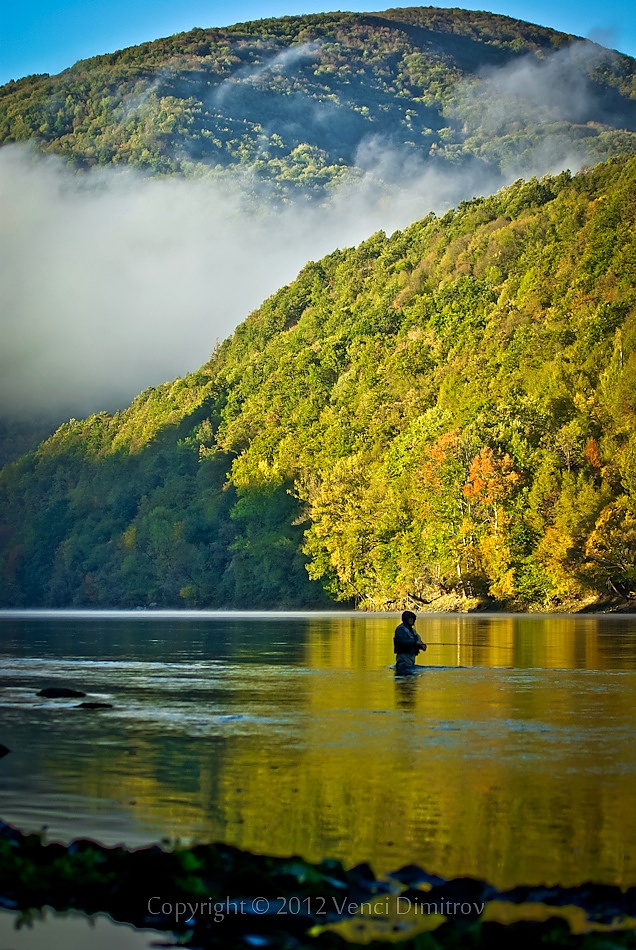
[406, 645]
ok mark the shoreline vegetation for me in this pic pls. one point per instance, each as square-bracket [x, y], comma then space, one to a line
[218, 896]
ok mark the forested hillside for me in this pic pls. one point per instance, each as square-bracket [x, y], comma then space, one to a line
[449, 410]
[302, 101]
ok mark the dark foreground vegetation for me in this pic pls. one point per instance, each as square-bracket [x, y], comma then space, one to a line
[449, 412]
[218, 896]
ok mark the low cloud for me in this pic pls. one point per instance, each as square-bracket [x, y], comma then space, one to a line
[542, 93]
[553, 89]
[278, 64]
[112, 282]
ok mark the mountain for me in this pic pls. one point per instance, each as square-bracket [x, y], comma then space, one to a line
[300, 103]
[148, 180]
[446, 412]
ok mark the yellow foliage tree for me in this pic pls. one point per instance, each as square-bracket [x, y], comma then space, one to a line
[611, 547]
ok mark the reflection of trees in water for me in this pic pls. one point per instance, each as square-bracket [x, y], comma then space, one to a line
[512, 775]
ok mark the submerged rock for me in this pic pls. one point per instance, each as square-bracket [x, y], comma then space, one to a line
[4, 750]
[94, 706]
[61, 692]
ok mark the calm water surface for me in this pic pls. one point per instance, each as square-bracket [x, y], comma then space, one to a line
[511, 758]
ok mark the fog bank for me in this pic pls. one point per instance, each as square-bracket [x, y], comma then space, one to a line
[111, 281]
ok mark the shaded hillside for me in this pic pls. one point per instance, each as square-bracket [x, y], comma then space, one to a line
[300, 100]
[451, 409]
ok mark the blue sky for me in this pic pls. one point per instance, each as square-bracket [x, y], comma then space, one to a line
[46, 36]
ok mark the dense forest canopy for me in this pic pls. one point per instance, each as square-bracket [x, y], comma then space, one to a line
[449, 410]
[301, 102]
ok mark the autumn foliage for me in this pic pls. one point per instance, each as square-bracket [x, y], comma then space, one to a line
[448, 412]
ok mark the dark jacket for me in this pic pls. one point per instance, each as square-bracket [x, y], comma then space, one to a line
[405, 640]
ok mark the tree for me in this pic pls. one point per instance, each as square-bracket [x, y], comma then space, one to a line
[491, 482]
[611, 548]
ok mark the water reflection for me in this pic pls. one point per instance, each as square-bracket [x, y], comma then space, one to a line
[406, 688]
[510, 758]
[73, 931]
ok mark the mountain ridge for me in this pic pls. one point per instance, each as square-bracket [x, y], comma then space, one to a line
[273, 141]
[294, 100]
[448, 411]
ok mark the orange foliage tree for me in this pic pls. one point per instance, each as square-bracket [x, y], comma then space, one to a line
[492, 480]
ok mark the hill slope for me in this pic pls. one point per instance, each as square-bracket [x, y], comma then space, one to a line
[300, 101]
[450, 410]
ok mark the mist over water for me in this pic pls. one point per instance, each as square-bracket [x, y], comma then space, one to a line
[112, 281]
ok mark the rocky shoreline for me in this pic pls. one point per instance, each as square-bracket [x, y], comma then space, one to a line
[218, 896]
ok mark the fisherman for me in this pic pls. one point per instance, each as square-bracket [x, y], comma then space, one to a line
[406, 645]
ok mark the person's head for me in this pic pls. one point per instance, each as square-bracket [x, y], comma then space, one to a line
[409, 618]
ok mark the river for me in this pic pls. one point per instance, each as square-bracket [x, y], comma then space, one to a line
[511, 757]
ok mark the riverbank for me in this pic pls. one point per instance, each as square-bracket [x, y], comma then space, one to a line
[455, 603]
